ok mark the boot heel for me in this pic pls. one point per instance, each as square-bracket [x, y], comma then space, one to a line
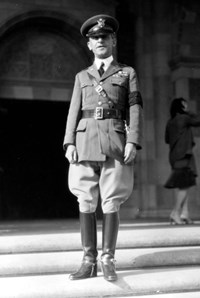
[94, 271]
[108, 269]
[86, 270]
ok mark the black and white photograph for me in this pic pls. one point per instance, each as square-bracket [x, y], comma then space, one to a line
[99, 148]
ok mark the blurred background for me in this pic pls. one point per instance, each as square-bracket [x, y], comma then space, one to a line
[41, 50]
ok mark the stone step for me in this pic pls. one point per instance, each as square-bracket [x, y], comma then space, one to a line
[66, 262]
[187, 294]
[129, 237]
[129, 283]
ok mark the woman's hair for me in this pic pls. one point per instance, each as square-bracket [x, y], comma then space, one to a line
[177, 106]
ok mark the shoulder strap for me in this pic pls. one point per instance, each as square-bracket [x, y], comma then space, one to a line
[98, 88]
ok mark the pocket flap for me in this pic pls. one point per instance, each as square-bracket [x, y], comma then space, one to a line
[82, 125]
[86, 83]
[119, 81]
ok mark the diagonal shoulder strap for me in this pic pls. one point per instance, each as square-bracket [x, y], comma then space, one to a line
[98, 88]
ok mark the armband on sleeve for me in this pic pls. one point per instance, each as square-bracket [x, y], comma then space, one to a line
[135, 98]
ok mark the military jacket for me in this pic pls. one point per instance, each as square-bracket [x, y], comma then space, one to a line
[96, 139]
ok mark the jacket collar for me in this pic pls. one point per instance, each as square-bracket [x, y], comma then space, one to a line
[107, 61]
[113, 68]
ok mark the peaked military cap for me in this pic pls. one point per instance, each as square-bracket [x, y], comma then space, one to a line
[99, 25]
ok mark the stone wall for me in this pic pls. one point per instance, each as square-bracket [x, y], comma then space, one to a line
[41, 47]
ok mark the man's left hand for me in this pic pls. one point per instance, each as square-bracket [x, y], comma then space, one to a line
[129, 152]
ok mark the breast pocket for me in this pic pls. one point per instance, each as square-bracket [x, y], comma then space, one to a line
[119, 88]
[119, 82]
[87, 92]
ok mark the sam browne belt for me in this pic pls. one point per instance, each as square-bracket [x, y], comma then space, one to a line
[100, 113]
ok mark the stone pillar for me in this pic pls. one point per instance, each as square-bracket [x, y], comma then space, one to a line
[153, 50]
[148, 184]
[152, 44]
[161, 43]
[144, 194]
[134, 206]
[146, 190]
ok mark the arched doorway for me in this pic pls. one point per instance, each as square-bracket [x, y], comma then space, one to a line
[39, 57]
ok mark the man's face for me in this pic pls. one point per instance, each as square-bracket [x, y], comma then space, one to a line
[102, 45]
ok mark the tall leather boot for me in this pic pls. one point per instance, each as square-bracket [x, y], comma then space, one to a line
[89, 243]
[110, 232]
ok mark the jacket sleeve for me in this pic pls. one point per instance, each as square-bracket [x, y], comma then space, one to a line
[74, 114]
[194, 120]
[135, 112]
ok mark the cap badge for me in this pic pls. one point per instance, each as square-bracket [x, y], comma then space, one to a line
[101, 23]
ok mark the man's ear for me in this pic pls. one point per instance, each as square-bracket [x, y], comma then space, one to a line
[89, 46]
[114, 40]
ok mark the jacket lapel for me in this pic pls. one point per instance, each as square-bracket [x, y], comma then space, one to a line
[93, 71]
[113, 68]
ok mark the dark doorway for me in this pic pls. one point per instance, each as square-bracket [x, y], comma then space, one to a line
[34, 181]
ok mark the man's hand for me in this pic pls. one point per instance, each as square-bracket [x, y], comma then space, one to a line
[129, 153]
[71, 154]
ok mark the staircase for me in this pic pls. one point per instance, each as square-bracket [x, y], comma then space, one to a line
[153, 260]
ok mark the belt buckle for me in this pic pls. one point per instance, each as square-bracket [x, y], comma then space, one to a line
[98, 115]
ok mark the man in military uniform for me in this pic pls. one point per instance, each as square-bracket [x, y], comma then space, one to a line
[103, 133]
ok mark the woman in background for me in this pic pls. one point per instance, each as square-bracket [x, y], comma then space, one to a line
[178, 135]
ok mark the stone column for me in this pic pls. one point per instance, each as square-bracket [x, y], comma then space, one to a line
[161, 44]
[134, 205]
[153, 50]
[148, 166]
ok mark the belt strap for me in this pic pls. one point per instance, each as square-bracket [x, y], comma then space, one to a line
[100, 113]
[99, 89]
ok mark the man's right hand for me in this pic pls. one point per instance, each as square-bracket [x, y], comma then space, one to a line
[71, 154]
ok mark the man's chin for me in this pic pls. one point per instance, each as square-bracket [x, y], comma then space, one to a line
[102, 55]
